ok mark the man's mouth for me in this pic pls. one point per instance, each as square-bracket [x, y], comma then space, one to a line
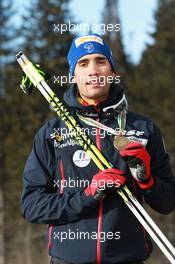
[94, 82]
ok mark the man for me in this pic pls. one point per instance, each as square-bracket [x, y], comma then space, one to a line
[88, 221]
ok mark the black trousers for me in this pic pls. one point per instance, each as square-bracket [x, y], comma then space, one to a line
[59, 261]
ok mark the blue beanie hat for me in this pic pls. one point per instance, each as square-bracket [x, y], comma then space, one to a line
[86, 45]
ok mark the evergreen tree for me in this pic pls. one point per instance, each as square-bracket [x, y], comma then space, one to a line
[6, 38]
[23, 116]
[114, 38]
[152, 87]
[44, 41]
[153, 80]
[6, 52]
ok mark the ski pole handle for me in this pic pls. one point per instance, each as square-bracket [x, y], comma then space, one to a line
[29, 69]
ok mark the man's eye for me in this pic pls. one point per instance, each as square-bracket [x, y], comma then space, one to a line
[101, 62]
[82, 64]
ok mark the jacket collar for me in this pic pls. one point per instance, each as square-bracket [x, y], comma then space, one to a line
[115, 103]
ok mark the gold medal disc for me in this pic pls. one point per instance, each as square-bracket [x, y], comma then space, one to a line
[120, 142]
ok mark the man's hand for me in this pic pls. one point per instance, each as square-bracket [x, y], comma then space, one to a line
[138, 160]
[103, 181]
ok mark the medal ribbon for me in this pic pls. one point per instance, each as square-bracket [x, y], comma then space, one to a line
[121, 122]
[91, 122]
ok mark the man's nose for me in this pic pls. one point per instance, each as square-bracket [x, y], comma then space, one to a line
[93, 69]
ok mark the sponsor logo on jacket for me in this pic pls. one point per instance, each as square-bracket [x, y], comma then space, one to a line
[63, 137]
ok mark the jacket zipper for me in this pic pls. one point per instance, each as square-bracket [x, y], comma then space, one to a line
[100, 212]
[61, 191]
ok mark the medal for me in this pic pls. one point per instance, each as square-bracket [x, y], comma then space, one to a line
[120, 142]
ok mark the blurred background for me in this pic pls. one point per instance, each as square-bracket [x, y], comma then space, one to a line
[145, 52]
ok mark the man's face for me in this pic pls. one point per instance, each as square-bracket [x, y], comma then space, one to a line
[93, 75]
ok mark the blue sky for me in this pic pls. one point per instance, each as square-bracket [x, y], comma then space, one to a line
[136, 16]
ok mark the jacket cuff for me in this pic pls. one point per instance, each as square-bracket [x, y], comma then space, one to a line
[148, 185]
[154, 190]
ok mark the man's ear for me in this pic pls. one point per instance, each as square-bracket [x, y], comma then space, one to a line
[113, 74]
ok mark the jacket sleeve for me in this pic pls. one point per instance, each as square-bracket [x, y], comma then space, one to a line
[162, 196]
[39, 203]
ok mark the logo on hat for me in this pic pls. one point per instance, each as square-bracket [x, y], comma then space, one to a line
[88, 38]
[89, 47]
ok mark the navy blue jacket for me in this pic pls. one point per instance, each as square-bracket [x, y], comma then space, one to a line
[80, 229]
